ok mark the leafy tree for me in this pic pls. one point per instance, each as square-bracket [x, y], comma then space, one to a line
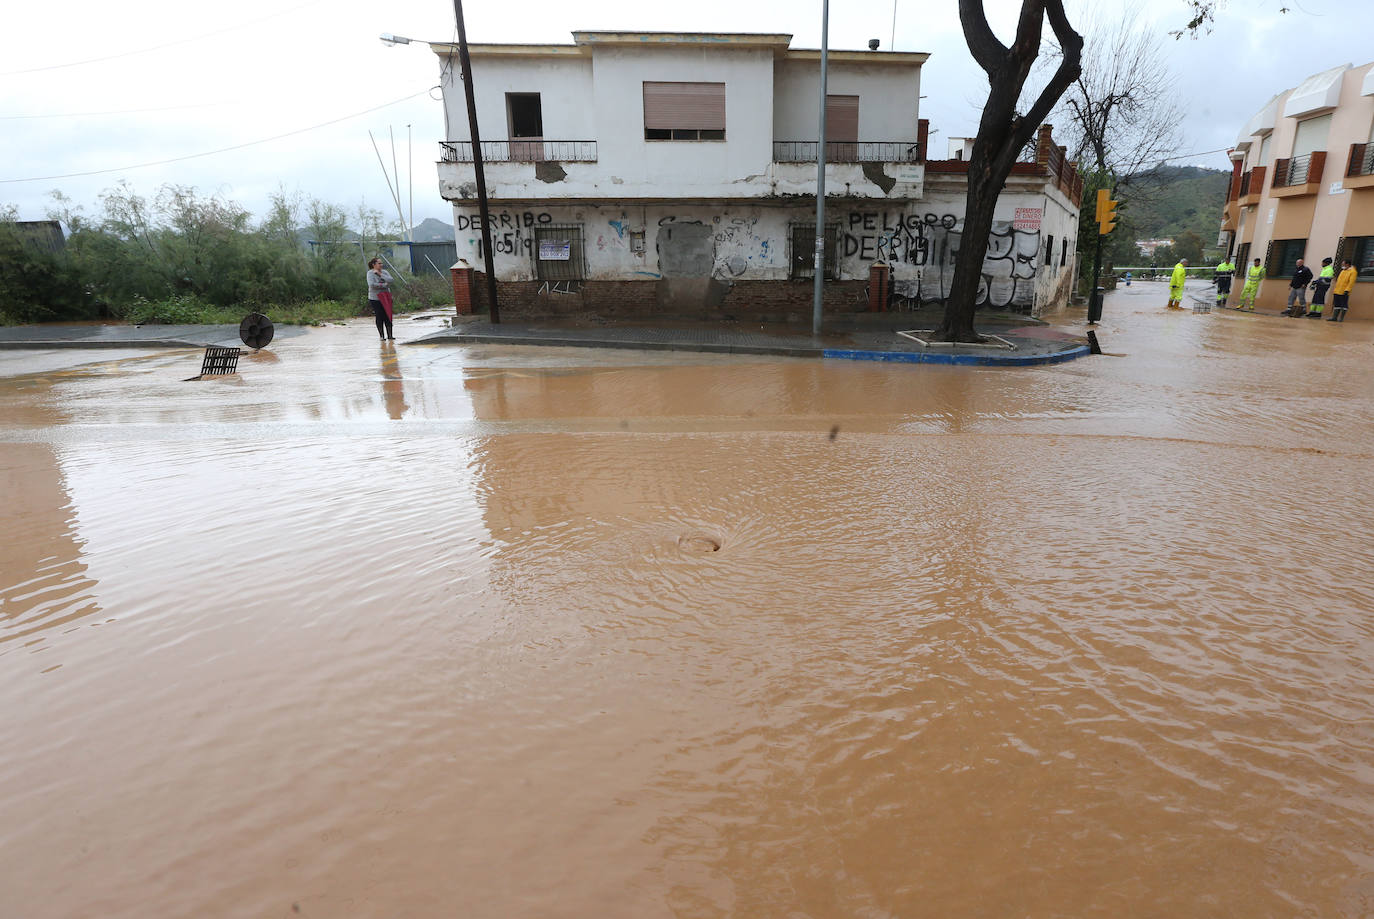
[1188, 245]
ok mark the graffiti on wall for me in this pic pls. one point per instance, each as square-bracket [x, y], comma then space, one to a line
[737, 243]
[512, 232]
[930, 243]
[922, 248]
[561, 287]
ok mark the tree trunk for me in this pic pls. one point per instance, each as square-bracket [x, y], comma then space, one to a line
[979, 206]
[1002, 133]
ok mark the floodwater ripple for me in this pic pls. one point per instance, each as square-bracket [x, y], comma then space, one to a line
[680, 637]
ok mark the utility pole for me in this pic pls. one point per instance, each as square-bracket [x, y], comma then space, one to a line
[482, 208]
[818, 288]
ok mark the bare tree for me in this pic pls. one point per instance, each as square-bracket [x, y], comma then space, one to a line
[1002, 133]
[1120, 115]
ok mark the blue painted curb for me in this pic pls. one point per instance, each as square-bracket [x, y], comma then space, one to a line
[941, 357]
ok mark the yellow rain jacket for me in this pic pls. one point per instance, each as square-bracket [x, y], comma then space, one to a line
[1345, 282]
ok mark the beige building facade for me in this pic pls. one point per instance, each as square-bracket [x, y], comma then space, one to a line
[1302, 185]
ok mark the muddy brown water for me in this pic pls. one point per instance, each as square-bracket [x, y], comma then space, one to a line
[506, 632]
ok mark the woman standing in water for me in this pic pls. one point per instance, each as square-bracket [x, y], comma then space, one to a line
[379, 297]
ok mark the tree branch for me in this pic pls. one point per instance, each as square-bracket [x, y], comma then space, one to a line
[982, 43]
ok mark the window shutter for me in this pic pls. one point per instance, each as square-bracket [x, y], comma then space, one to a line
[686, 106]
[1269, 267]
[842, 119]
[1340, 253]
[1311, 135]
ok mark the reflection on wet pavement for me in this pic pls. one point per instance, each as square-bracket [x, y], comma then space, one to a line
[617, 634]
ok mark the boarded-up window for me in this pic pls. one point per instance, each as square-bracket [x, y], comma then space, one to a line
[842, 119]
[684, 111]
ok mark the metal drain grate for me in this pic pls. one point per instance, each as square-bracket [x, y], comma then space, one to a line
[220, 361]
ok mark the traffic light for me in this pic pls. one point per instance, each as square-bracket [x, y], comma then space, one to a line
[1106, 211]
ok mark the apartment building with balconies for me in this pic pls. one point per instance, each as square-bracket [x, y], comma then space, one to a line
[1302, 184]
[675, 174]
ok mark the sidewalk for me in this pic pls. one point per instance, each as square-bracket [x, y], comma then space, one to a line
[858, 337]
[98, 335]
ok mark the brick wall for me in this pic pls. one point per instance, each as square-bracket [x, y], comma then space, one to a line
[669, 299]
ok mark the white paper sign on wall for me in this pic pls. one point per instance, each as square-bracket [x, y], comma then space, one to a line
[1337, 188]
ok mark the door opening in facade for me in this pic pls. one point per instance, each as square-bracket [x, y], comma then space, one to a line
[525, 118]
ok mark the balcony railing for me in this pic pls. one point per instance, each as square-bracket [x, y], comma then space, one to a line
[522, 151]
[865, 151]
[1290, 172]
[1361, 160]
[1252, 186]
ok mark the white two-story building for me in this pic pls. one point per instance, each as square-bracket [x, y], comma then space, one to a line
[674, 174]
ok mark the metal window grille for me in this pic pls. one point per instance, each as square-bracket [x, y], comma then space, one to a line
[803, 251]
[1243, 260]
[1284, 255]
[1362, 257]
[553, 241]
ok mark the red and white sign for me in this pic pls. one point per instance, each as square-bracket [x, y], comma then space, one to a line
[1027, 218]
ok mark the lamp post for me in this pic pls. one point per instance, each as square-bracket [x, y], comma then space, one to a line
[482, 207]
[818, 281]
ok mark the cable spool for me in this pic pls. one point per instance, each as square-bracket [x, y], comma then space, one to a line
[256, 331]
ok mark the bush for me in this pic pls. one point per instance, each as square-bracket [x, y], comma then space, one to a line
[181, 258]
[179, 310]
[39, 286]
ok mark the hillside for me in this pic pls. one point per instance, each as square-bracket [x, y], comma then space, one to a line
[431, 230]
[1177, 198]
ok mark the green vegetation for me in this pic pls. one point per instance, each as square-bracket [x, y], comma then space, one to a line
[186, 258]
[1179, 202]
[1171, 201]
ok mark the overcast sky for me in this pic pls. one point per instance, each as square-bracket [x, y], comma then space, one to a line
[93, 87]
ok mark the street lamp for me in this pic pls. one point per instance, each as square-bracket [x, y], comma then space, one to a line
[482, 207]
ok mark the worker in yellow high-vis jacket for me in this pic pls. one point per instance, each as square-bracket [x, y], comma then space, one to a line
[1251, 288]
[1224, 270]
[1325, 278]
[1176, 284]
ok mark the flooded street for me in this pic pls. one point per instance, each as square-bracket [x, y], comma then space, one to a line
[503, 632]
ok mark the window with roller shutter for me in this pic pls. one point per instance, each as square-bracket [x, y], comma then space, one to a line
[684, 111]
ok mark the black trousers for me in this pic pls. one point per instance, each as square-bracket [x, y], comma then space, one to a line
[383, 321]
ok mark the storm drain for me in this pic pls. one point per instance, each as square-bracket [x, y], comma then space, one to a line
[220, 361]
